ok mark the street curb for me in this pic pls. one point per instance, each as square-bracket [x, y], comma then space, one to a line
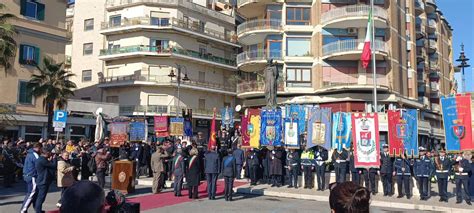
[410, 206]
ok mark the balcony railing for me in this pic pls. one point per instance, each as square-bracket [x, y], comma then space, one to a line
[256, 86]
[353, 11]
[432, 23]
[162, 109]
[353, 80]
[172, 50]
[258, 55]
[261, 24]
[173, 22]
[351, 45]
[163, 79]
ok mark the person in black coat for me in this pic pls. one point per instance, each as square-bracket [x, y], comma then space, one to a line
[229, 171]
[386, 169]
[265, 156]
[193, 174]
[254, 165]
[355, 172]
[320, 158]
[45, 170]
[136, 154]
[178, 167]
[276, 166]
[443, 166]
[238, 154]
[212, 169]
[146, 160]
[339, 159]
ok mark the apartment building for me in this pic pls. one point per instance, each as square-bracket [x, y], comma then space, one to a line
[317, 45]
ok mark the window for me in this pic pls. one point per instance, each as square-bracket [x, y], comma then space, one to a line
[298, 15]
[87, 48]
[29, 54]
[24, 93]
[160, 45]
[202, 104]
[112, 99]
[202, 50]
[202, 76]
[298, 46]
[202, 26]
[88, 24]
[86, 75]
[115, 21]
[298, 77]
[32, 9]
[159, 18]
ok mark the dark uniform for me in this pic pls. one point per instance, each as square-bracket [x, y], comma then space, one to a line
[355, 172]
[136, 154]
[212, 170]
[386, 170]
[276, 167]
[229, 171]
[320, 157]
[307, 165]
[239, 161]
[370, 179]
[443, 166]
[293, 168]
[339, 160]
[265, 154]
[254, 165]
[178, 172]
[402, 171]
[423, 169]
[462, 170]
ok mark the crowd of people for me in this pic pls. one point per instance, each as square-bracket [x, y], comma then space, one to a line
[192, 161]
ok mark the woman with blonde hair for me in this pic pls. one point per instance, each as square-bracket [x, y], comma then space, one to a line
[193, 174]
[65, 175]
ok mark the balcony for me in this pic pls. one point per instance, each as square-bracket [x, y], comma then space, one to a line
[145, 50]
[420, 67]
[432, 25]
[422, 88]
[251, 61]
[434, 86]
[430, 6]
[434, 75]
[420, 31]
[421, 43]
[255, 31]
[354, 16]
[419, 7]
[255, 88]
[146, 23]
[163, 80]
[253, 8]
[433, 46]
[351, 50]
[170, 110]
[434, 95]
[353, 81]
[420, 54]
[437, 108]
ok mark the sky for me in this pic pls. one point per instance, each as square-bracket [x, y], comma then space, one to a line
[460, 15]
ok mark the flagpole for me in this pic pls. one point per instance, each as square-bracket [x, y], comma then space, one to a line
[373, 55]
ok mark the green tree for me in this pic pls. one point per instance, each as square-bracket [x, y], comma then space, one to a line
[53, 85]
[8, 44]
[6, 117]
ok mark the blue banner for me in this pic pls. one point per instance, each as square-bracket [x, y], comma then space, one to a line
[319, 128]
[137, 131]
[297, 112]
[227, 115]
[341, 130]
[271, 131]
[188, 128]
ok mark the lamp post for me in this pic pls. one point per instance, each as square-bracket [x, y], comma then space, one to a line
[185, 78]
[463, 59]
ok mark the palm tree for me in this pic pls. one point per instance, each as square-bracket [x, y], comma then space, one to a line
[53, 84]
[8, 44]
[6, 117]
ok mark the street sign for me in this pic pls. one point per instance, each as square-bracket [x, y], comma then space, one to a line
[58, 129]
[59, 124]
[59, 119]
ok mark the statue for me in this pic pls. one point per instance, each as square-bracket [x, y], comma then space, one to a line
[271, 85]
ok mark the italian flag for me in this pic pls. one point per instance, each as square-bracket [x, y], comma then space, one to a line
[367, 52]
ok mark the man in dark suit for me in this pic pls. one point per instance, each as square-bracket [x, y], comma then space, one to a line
[45, 170]
[254, 165]
[339, 159]
[386, 170]
[229, 171]
[136, 154]
[212, 169]
[178, 171]
[276, 166]
[239, 159]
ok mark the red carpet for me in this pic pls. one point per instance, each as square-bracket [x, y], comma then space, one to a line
[154, 201]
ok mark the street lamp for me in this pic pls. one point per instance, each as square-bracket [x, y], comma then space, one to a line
[463, 59]
[185, 78]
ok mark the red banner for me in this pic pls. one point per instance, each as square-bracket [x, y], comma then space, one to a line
[244, 131]
[161, 126]
[365, 132]
[118, 133]
[212, 138]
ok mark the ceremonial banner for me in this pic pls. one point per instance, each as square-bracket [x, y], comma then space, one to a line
[297, 112]
[253, 128]
[161, 126]
[291, 133]
[403, 131]
[244, 130]
[118, 133]
[365, 131]
[270, 134]
[188, 128]
[319, 128]
[227, 115]
[138, 131]
[341, 130]
[457, 122]
[213, 139]
[176, 126]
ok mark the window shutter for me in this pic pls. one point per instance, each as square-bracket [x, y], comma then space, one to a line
[37, 55]
[40, 11]
[23, 7]
[22, 57]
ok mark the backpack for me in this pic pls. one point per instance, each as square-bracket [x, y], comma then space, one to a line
[92, 165]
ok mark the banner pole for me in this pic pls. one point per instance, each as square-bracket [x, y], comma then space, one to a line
[373, 55]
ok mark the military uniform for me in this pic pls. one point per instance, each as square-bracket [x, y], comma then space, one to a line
[229, 171]
[253, 164]
[339, 160]
[320, 157]
[462, 170]
[423, 169]
[307, 165]
[443, 166]
[402, 171]
[178, 172]
[293, 167]
[386, 170]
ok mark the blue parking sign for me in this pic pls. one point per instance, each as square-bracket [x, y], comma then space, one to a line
[60, 116]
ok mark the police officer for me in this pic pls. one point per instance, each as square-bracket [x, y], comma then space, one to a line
[339, 159]
[462, 169]
[423, 168]
[370, 178]
[178, 168]
[386, 170]
[307, 166]
[355, 172]
[321, 156]
[254, 164]
[212, 169]
[229, 171]
[402, 170]
[443, 166]
[238, 154]
[293, 168]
